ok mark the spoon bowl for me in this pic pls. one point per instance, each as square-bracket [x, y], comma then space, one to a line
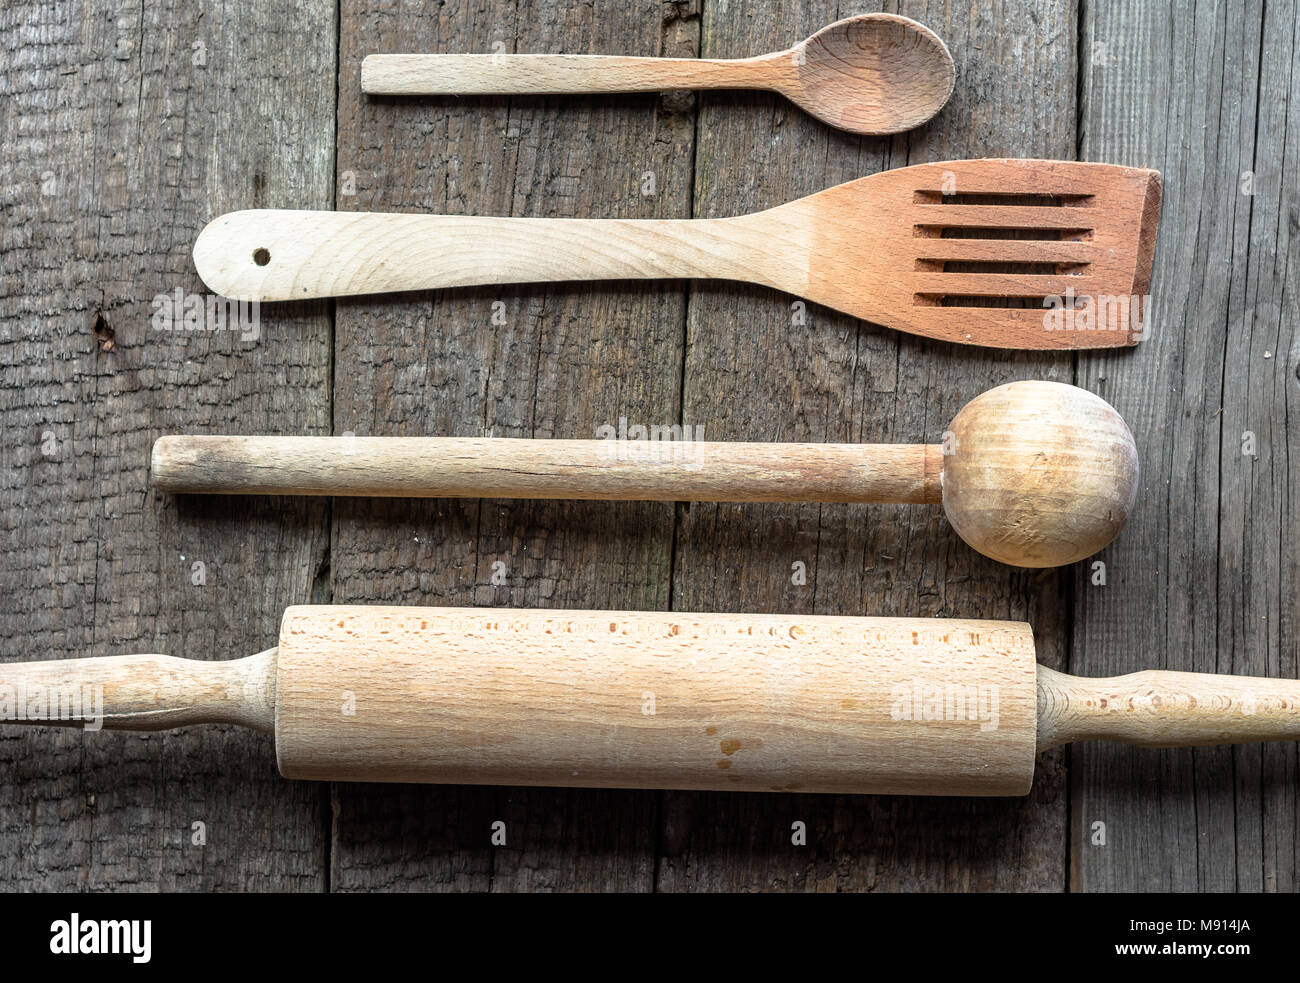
[873, 74]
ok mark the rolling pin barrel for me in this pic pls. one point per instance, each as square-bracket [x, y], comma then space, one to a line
[656, 700]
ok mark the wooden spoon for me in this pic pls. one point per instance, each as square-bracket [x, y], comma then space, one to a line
[874, 74]
[945, 250]
[656, 699]
[1033, 474]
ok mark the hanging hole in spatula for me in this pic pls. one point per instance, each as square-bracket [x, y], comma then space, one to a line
[261, 256]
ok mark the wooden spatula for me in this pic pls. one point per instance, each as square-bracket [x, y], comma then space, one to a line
[873, 74]
[948, 251]
[495, 696]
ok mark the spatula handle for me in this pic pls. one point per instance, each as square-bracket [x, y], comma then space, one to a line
[266, 254]
[1160, 708]
[495, 467]
[496, 74]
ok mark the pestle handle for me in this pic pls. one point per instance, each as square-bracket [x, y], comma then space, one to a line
[503, 467]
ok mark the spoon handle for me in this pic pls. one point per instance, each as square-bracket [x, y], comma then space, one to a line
[503, 74]
[626, 467]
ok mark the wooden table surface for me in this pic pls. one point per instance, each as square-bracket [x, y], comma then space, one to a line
[126, 127]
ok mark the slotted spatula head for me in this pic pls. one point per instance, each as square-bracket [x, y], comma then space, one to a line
[1039, 254]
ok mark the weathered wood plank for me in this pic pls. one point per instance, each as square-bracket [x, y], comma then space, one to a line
[124, 129]
[755, 372]
[1204, 577]
[556, 361]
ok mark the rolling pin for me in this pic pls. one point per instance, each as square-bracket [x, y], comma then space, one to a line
[654, 700]
[1033, 474]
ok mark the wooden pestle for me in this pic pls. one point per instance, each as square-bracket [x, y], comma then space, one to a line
[1034, 474]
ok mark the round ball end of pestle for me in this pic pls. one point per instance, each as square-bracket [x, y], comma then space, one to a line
[1038, 474]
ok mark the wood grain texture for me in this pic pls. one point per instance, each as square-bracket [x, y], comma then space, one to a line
[125, 128]
[757, 366]
[873, 74]
[1204, 577]
[512, 362]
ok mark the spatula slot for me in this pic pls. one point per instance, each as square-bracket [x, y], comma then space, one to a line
[1018, 302]
[999, 266]
[996, 198]
[927, 231]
